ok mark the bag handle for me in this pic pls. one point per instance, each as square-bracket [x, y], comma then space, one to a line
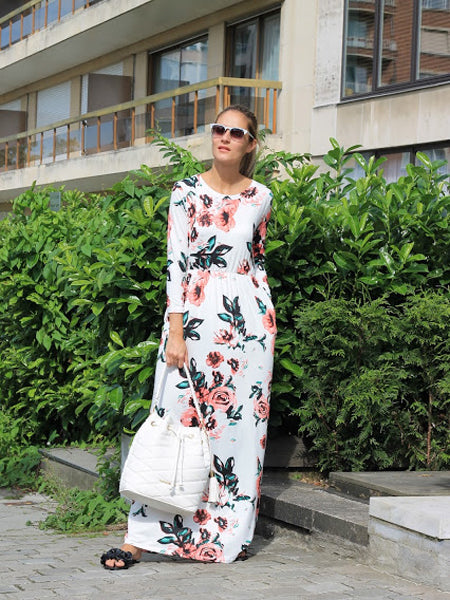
[157, 398]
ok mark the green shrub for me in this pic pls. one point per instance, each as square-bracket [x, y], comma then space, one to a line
[359, 269]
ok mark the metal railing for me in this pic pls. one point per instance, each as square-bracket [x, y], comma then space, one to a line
[179, 112]
[35, 16]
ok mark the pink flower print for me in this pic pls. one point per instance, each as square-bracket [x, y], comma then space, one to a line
[221, 523]
[207, 200]
[196, 289]
[209, 552]
[221, 398]
[244, 267]
[189, 418]
[269, 321]
[205, 219]
[234, 364]
[261, 408]
[251, 197]
[255, 281]
[225, 337]
[262, 442]
[169, 224]
[223, 219]
[201, 516]
[188, 550]
[214, 359]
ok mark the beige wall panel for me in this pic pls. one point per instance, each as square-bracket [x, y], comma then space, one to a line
[75, 97]
[329, 51]
[32, 106]
[396, 120]
[323, 126]
[216, 50]
[297, 60]
[433, 121]
[140, 75]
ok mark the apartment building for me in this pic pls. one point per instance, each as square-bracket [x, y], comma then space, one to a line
[83, 81]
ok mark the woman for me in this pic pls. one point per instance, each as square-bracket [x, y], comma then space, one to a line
[220, 321]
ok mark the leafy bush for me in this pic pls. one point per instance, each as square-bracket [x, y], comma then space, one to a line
[359, 272]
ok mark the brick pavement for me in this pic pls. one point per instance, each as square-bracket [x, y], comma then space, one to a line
[41, 565]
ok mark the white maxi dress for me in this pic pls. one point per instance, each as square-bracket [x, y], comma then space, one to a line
[217, 280]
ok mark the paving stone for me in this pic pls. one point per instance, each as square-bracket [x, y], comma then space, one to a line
[41, 565]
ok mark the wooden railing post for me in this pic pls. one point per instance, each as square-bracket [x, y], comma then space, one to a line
[115, 131]
[133, 126]
[99, 140]
[195, 111]
[172, 131]
[274, 116]
[54, 144]
[83, 127]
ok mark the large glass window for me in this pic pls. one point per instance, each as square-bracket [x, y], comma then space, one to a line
[395, 44]
[398, 158]
[253, 49]
[105, 87]
[182, 65]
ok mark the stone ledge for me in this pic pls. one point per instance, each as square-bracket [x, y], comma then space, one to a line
[428, 515]
[410, 537]
[315, 510]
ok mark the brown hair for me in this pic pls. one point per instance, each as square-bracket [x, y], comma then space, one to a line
[248, 162]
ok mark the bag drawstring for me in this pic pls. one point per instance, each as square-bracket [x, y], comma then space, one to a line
[178, 462]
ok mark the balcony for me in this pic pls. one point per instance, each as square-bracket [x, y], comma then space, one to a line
[102, 146]
[35, 16]
[95, 28]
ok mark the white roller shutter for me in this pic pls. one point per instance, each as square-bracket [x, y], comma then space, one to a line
[53, 104]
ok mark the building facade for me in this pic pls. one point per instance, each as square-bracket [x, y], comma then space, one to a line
[83, 81]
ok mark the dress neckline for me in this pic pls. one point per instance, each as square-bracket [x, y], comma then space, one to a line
[237, 195]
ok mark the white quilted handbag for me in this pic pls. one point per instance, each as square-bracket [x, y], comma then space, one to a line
[168, 464]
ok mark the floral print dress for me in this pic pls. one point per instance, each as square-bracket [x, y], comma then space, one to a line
[216, 279]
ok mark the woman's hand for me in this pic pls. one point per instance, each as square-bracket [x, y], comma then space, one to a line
[176, 349]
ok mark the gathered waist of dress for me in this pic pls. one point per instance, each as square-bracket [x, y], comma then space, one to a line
[218, 273]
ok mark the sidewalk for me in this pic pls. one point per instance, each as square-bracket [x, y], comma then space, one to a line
[41, 565]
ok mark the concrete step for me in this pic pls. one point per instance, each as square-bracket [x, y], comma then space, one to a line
[283, 501]
[74, 467]
[367, 484]
[314, 509]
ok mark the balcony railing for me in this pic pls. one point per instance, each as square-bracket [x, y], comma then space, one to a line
[35, 16]
[179, 112]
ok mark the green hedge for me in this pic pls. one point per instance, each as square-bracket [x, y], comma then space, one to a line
[359, 272]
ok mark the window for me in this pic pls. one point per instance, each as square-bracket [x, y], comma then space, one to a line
[395, 44]
[182, 65]
[53, 105]
[102, 88]
[253, 49]
[397, 158]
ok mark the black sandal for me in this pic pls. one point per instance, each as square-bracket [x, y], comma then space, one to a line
[117, 554]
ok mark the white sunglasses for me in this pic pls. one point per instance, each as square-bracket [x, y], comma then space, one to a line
[236, 133]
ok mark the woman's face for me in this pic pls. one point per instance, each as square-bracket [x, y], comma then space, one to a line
[228, 149]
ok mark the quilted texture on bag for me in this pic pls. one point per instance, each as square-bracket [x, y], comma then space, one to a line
[167, 466]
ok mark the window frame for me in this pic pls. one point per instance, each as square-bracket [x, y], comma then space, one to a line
[153, 53]
[377, 90]
[411, 149]
[229, 37]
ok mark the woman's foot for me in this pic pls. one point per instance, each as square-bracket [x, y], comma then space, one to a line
[121, 558]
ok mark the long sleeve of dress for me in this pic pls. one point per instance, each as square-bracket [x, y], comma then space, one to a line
[259, 246]
[177, 251]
